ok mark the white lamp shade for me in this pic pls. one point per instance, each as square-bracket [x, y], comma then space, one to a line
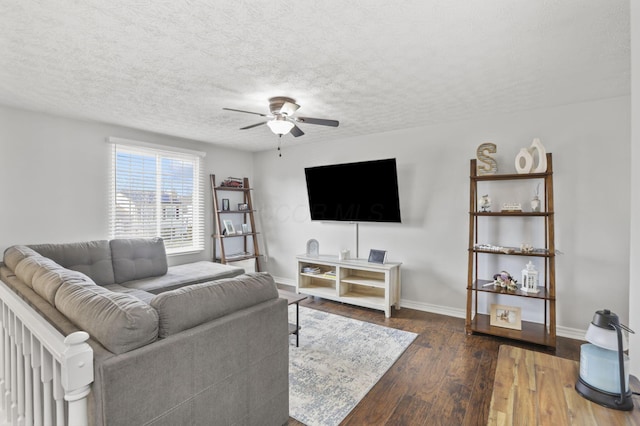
[605, 338]
[280, 126]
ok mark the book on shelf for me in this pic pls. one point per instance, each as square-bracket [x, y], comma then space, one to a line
[237, 255]
[232, 182]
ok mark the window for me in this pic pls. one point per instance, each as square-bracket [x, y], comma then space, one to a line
[157, 192]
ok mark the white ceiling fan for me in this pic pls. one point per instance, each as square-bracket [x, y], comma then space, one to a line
[281, 120]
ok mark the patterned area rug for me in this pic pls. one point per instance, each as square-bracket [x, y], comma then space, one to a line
[338, 362]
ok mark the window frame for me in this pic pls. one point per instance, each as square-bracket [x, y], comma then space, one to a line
[161, 153]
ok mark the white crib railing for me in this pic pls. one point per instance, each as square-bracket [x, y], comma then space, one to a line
[44, 377]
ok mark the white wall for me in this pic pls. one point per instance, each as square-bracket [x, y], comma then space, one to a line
[47, 161]
[590, 146]
[634, 284]
[54, 176]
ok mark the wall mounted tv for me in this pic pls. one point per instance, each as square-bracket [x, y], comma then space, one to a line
[366, 191]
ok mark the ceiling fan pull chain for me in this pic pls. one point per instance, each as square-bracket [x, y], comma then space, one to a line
[279, 143]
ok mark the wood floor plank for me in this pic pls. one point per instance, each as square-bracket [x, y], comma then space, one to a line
[477, 410]
[444, 374]
[553, 396]
[460, 375]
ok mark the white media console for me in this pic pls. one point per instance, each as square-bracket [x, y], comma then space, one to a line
[354, 281]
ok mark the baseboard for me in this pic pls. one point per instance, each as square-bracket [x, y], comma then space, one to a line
[570, 333]
[434, 309]
[285, 281]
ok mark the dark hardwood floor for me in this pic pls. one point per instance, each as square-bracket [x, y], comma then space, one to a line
[445, 377]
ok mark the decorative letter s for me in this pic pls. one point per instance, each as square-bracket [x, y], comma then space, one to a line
[490, 165]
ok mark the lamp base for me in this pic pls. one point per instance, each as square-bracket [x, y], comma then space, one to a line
[606, 399]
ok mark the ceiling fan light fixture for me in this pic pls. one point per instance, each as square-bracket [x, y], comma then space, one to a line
[280, 125]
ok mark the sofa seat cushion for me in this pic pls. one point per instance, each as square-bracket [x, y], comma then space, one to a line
[196, 304]
[138, 294]
[138, 258]
[182, 275]
[120, 322]
[92, 258]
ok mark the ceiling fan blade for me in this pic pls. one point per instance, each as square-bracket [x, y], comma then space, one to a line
[296, 131]
[247, 112]
[253, 125]
[320, 121]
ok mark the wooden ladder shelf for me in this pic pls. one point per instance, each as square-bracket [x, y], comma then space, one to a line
[479, 283]
[224, 213]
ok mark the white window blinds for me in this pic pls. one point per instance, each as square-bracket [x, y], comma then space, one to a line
[157, 193]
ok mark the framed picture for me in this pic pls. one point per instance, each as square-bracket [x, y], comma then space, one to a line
[245, 228]
[243, 206]
[228, 227]
[506, 316]
[377, 256]
[225, 204]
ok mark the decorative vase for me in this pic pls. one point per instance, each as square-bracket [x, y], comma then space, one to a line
[524, 156]
[535, 204]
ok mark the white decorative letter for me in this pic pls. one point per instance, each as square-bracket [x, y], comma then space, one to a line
[490, 165]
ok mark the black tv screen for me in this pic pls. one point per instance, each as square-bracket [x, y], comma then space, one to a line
[366, 191]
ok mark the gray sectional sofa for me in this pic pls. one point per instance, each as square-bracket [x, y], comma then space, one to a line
[195, 344]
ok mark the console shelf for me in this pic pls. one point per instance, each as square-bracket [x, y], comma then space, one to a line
[355, 281]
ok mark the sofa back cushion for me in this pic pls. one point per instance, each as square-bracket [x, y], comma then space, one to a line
[14, 254]
[29, 266]
[137, 258]
[92, 258]
[120, 322]
[196, 304]
[47, 281]
[45, 276]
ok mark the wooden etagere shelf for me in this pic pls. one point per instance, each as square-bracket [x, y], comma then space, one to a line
[479, 322]
[251, 251]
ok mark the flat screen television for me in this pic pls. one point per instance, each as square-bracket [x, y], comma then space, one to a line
[366, 191]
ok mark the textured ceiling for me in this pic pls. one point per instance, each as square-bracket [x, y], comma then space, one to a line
[171, 66]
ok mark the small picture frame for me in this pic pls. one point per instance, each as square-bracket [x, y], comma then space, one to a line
[377, 256]
[245, 228]
[243, 206]
[506, 316]
[228, 227]
[225, 204]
